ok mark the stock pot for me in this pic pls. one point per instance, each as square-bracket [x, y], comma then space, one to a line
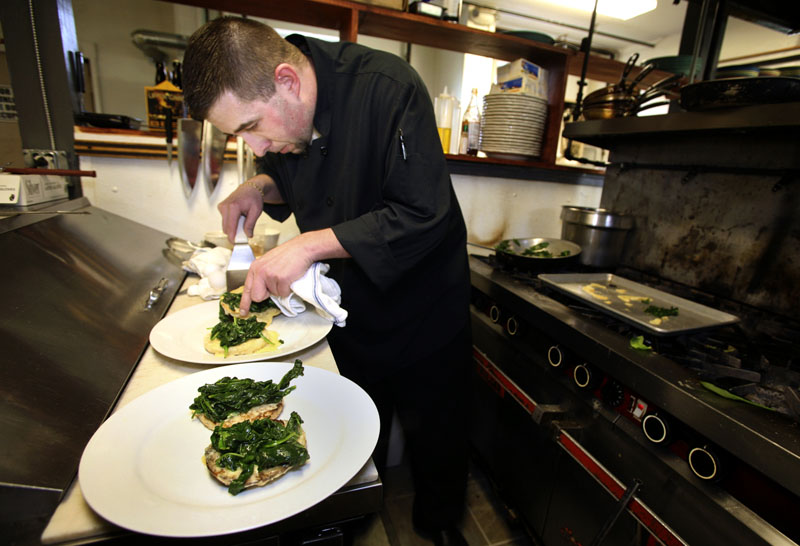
[599, 232]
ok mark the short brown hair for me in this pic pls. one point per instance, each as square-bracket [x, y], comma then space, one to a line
[233, 54]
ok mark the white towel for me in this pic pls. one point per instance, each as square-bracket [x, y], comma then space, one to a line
[210, 264]
[318, 290]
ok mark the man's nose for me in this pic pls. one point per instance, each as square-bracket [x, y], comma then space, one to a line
[257, 144]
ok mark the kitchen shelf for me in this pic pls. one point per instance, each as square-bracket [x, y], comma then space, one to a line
[747, 119]
[353, 18]
[138, 144]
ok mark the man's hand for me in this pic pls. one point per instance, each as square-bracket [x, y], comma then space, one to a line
[248, 201]
[275, 271]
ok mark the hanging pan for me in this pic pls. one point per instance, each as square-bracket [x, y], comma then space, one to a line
[730, 92]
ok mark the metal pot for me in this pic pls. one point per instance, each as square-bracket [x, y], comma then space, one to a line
[599, 232]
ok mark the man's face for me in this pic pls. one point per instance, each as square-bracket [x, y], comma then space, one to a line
[281, 124]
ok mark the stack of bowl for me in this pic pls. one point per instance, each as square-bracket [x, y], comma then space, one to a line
[512, 125]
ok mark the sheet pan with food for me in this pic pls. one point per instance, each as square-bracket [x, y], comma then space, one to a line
[650, 309]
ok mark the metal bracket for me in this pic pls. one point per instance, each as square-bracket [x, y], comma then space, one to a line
[50, 159]
[547, 412]
[155, 293]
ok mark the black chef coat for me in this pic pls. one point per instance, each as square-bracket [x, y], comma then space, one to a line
[378, 177]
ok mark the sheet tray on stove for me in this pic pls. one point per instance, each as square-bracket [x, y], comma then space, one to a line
[628, 300]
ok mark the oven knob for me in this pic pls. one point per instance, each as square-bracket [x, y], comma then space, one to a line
[584, 376]
[705, 463]
[656, 429]
[512, 326]
[613, 394]
[554, 356]
[494, 313]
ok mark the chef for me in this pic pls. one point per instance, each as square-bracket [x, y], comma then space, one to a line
[347, 141]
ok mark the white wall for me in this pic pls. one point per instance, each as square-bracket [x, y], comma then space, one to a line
[147, 191]
[499, 208]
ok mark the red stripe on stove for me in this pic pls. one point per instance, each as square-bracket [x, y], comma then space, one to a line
[639, 510]
[508, 385]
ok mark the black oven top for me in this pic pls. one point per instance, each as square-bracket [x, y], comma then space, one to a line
[698, 378]
[757, 360]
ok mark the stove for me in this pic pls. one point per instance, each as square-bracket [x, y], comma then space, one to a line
[694, 439]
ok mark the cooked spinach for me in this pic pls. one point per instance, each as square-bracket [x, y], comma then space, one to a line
[538, 250]
[264, 443]
[661, 312]
[231, 395]
[233, 330]
[234, 300]
[638, 342]
[504, 246]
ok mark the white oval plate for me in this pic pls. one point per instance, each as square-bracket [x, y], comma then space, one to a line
[142, 469]
[180, 335]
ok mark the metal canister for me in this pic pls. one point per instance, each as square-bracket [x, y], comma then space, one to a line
[600, 233]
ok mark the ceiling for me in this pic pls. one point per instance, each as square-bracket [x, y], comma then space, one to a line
[611, 34]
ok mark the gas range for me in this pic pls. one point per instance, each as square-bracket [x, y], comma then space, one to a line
[673, 399]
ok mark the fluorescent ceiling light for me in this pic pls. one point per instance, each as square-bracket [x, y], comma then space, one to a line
[619, 9]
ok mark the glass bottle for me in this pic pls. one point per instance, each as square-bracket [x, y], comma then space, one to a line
[161, 72]
[471, 127]
[176, 74]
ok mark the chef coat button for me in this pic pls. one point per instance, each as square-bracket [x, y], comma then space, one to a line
[329, 200]
[323, 150]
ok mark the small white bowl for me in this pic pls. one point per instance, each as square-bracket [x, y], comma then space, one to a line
[218, 238]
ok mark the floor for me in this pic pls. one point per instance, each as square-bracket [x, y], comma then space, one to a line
[486, 521]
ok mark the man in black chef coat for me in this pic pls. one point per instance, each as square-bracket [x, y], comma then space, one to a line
[347, 141]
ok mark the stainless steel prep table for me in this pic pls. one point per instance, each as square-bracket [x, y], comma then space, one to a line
[75, 522]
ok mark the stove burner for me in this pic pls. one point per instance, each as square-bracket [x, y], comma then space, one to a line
[757, 359]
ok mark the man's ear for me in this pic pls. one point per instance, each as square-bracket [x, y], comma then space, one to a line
[287, 78]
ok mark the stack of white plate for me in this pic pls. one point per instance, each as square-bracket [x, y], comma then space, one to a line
[512, 126]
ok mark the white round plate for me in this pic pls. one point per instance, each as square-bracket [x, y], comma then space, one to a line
[499, 116]
[493, 118]
[180, 335]
[512, 97]
[517, 142]
[515, 112]
[512, 130]
[142, 469]
[502, 149]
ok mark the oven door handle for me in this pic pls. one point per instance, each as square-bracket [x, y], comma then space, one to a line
[621, 506]
[627, 498]
[542, 414]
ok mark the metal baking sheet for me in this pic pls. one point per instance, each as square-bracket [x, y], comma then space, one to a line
[627, 300]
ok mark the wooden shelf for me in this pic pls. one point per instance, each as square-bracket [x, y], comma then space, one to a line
[352, 18]
[151, 144]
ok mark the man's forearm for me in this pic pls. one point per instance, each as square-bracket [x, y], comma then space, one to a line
[269, 190]
[322, 244]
